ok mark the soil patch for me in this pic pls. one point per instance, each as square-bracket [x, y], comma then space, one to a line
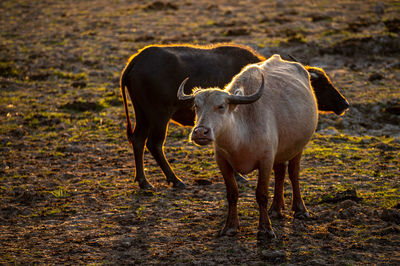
[67, 194]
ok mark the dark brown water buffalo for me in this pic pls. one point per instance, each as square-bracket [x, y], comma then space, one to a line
[152, 77]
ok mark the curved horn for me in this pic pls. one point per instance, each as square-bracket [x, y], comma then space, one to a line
[294, 58]
[246, 99]
[313, 75]
[180, 94]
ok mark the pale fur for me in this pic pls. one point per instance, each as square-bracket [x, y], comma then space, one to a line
[271, 130]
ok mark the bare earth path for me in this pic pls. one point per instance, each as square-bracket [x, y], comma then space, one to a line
[66, 169]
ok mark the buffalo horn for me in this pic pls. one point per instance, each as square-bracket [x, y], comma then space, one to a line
[245, 99]
[294, 58]
[181, 95]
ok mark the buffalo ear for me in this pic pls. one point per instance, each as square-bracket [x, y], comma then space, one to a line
[238, 92]
[247, 99]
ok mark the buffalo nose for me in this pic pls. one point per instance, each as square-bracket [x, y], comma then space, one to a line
[347, 105]
[342, 108]
[201, 132]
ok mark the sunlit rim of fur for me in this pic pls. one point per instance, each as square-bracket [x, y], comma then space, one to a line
[197, 90]
[199, 46]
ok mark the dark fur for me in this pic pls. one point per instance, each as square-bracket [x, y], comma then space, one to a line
[328, 97]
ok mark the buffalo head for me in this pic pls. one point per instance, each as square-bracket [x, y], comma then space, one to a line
[328, 97]
[212, 106]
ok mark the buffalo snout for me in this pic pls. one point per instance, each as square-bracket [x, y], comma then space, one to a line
[343, 107]
[201, 135]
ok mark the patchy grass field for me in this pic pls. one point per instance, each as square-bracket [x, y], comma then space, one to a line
[66, 169]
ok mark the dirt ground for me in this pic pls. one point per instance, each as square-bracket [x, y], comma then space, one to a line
[66, 167]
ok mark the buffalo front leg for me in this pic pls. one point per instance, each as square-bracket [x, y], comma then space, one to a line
[232, 221]
[155, 145]
[300, 210]
[278, 203]
[264, 228]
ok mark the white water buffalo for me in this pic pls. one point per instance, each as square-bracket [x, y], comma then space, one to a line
[262, 119]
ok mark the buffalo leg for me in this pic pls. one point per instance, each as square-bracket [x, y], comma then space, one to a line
[232, 221]
[155, 144]
[278, 202]
[300, 210]
[264, 227]
[138, 141]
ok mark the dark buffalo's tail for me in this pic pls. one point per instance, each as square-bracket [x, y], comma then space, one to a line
[123, 86]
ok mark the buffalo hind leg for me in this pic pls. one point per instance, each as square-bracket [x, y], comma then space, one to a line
[155, 144]
[300, 210]
[278, 203]
[138, 141]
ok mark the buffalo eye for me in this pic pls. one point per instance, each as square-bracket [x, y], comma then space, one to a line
[221, 107]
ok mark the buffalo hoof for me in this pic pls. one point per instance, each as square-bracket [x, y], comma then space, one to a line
[302, 215]
[240, 178]
[266, 234]
[179, 184]
[231, 231]
[275, 214]
[145, 185]
[176, 182]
